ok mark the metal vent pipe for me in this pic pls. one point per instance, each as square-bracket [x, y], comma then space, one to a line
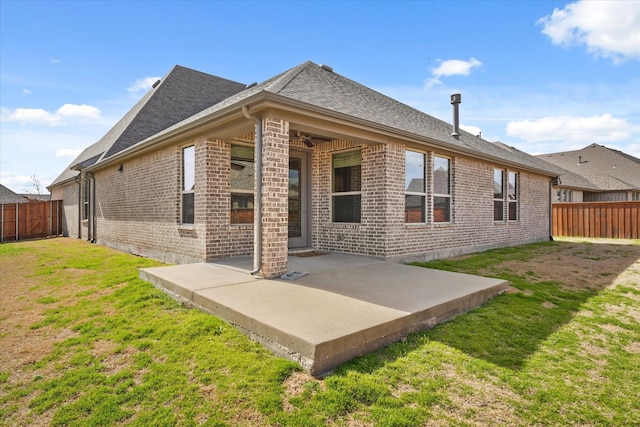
[456, 99]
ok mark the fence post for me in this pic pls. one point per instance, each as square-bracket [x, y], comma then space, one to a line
[17, 222]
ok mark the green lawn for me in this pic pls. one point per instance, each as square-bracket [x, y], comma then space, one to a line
[85, 342]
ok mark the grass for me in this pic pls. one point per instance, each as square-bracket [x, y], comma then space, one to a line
[121, 352]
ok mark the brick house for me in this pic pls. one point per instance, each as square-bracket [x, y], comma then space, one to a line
[341, 167]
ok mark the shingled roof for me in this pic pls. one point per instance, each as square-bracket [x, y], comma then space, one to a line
[319, 86]
[8, 196]
[602, 168]
[179, 95]
[180, 101]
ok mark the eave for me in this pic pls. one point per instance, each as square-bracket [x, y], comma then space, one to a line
[229, 121]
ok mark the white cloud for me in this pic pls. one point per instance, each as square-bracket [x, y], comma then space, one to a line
[39, 116]
[473, 130]
[68, 152]
[143, 84]
[15, 182]
[26, 91]
[30, 116]
[78, 111]
[609, 29]
[452, 67]
[573, 130]
[55, 60]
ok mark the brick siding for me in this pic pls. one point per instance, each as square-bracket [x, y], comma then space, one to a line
[138, 208]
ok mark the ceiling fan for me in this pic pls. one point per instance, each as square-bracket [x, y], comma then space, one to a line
[308, 139]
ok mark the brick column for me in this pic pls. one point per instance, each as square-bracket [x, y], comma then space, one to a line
[275, 193]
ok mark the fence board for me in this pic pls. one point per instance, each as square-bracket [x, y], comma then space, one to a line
[20, 221]
[606, 219]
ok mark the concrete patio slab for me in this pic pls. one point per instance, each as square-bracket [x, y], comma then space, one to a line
[346, 306]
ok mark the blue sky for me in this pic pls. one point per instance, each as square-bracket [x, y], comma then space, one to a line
[543, 76]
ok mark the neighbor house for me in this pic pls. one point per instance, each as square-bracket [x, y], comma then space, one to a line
[203, 168]
[8, 196]
[594, 173]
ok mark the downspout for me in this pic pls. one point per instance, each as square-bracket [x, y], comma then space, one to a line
[88, 197]
[93, 209]
[257, 203]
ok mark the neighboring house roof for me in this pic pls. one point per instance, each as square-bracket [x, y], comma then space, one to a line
[40, 197]
[242, 175]
[307, 85]
[597, 168]
[8, 196]
[416, 185]
[179, 95]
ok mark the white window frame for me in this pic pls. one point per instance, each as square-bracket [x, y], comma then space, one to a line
[433, 205]
[416, 193]
[516, 200]
[86, 197]
[496, 199]
[183, 184]
[345, 193]
[233, 191]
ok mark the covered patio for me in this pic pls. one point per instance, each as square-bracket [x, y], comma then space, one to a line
[331, 308]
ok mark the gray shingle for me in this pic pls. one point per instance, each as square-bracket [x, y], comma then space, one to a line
[8, 196]
[180, 100]
[603, 167]
[181, 93]
[311, 84]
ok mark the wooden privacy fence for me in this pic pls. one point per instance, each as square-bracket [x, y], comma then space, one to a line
[20, 221]
[619, 220]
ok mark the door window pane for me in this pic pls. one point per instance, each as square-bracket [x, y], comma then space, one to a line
[295, 198]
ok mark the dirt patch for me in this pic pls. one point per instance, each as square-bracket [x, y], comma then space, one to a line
[579, 266]
[295, 386]
[634, 348]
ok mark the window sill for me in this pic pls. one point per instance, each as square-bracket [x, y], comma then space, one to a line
[242, 226]
[345, 224]
[443, 224]
[186, 226]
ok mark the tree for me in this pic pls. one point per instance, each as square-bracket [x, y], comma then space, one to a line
[35, 183]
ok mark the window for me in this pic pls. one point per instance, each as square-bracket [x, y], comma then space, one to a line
[564, 195]
[441, 189]
[346, 186]
[85, 197]
[498, 195]
[242, 184]
[415, 190]
[188, 184]
[512, 194]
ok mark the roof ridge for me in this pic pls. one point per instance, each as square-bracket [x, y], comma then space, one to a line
[286, 77]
